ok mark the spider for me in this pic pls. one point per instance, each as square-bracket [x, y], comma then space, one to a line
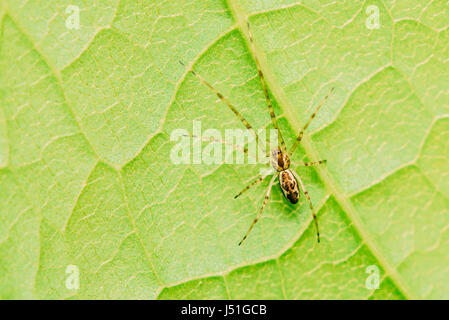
[279, 157]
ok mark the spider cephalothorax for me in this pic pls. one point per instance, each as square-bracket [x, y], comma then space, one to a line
[280, 161]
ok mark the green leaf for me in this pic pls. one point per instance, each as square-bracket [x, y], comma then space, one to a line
[86, 178]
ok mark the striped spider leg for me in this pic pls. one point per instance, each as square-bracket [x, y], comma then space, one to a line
[234, 147]
[214, 140]
[301, 133]
[230, 106]
[265, 91]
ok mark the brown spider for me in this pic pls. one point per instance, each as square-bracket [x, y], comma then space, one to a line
[280, 158]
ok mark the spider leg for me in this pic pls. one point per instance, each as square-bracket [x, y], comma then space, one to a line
[306, 193]
[307, 164]
[228, 103]
[265, 91]
[265, 200]
[253, 183]
[313, 163]
[301, 133]
[214, 140]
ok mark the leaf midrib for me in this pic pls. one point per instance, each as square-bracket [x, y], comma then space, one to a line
[330, 184]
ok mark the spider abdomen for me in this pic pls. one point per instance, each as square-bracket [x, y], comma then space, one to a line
[289, 186]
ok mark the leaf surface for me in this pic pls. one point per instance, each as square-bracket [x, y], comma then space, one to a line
[86, 178]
